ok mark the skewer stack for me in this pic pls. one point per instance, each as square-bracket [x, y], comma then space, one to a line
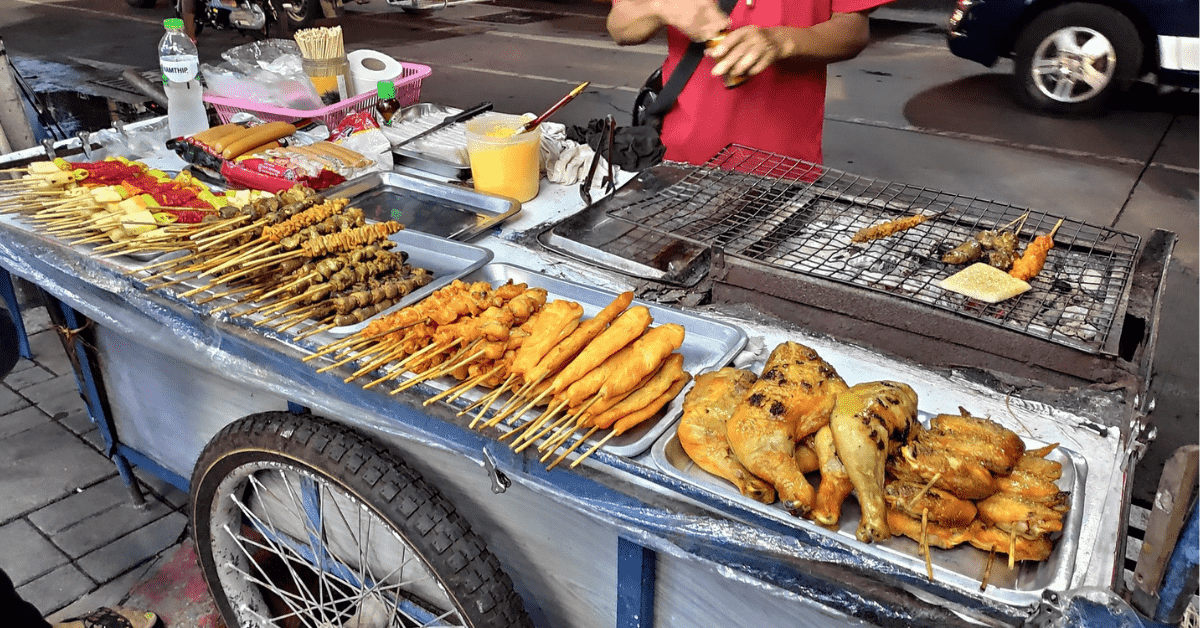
[295, 258]
[324, 60]
[611, 372]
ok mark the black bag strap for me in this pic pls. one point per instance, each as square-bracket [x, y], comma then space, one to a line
[684, 71]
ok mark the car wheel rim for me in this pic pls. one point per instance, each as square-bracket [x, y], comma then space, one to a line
[1073, 64]
[288, 544]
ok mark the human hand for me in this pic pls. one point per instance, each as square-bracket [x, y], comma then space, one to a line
[745, 52]
[700, 20]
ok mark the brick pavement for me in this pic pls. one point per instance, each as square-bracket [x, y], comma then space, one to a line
[71, 537]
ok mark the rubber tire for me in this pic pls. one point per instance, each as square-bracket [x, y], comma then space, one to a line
[361, 468]
[10, 350]
[312, 11]
[422, 13]
[142, 4]
[1107, 21]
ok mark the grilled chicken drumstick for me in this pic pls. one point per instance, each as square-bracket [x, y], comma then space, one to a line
[706, 409]
[868, 423]
[791, 400]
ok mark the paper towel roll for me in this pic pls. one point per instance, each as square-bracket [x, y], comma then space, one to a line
[368, 67]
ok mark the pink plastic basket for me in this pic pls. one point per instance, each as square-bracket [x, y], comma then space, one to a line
[408, 91]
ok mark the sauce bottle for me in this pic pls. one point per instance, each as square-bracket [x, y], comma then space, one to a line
[387, 105]
[730, 81]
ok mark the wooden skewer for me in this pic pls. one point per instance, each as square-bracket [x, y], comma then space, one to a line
[1012, 548]
[579, 442]
[1056, 226]
[913, 502]
[534, 430]
[987, 570]
[563, 434]
[316, 329]
[595, 447]
[242, 259]
[352, 340]
[487, 400]
[462, 387]
[925, 543]
[512, 409]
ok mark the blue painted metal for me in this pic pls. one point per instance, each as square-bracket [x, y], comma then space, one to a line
[296, 408]
[1180, 578]
[91, 393]
[10, 300]
[636, 566]
[139, 460]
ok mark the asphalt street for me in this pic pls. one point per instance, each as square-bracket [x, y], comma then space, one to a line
[905, 110]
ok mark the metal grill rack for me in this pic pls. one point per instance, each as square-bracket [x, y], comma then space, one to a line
[800, 216]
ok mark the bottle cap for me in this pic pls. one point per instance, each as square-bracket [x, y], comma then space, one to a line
[174, 22]
[387, 89]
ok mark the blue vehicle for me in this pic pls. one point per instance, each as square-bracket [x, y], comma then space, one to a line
[1070, 57]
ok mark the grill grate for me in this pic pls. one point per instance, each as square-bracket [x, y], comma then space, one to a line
[800, 216]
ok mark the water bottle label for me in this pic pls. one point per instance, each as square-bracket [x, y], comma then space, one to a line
[180, 69]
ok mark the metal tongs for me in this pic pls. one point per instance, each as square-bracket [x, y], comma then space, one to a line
[609, 183]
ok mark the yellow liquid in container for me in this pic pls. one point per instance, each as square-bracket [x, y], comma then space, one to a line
[504, 162]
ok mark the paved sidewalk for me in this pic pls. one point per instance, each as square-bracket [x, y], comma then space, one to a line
[71, 535]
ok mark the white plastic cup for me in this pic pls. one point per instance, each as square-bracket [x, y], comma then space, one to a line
[505, 165]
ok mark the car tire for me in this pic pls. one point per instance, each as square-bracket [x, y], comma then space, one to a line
[294, 515]
[1071, 59]
[142, 4]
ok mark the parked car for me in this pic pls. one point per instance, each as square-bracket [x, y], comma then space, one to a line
[1070, 57]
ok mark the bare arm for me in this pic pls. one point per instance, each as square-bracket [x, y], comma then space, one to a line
[751, 49]
[636, 21]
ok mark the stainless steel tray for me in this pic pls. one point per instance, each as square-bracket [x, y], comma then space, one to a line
[962, 566]
[446, 259]
[451, 161]
[432, 207]
[707, 344]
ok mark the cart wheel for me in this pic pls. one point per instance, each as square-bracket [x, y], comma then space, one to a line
[299, 521]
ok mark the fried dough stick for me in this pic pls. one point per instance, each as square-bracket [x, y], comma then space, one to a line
[553, 323]
[571, 347]
[623, 370]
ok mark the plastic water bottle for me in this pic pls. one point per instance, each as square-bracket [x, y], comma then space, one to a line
[180, 63]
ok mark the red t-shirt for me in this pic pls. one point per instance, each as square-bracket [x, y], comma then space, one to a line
[777, 111]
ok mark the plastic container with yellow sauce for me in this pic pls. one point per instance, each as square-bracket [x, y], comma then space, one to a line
[502, 161]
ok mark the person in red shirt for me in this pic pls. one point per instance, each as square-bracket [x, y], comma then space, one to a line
[781, 47]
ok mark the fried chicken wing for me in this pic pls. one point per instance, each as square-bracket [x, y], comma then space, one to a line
[868, 422]
[996, 447]
[791, 400]
[934, 534]
[939, 506]
[920, 463]
[1027, 518]
[992, 539]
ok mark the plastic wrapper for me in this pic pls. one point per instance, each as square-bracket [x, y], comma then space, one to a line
[268, 72]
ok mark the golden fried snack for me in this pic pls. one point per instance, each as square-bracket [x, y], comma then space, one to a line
[792, 399]
[706, 409]
[587, 331]
[643, 395]
[1024, 517]
[869, 421]
[549, 326]
[920, 463]
[627, 327]
[633, 419]
[806, 458]
[996, 447]
[649, 353]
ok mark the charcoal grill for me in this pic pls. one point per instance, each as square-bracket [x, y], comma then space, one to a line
[776, 232]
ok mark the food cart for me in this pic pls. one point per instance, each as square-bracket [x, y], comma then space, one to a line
[381, 510]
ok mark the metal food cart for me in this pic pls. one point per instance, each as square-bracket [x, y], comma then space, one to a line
[375, 503]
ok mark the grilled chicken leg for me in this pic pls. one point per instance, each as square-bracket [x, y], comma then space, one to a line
[869, 421]
[835, 484]
[706, 408]
[791, 400]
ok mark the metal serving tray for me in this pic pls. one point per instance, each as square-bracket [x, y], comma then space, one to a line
[707, 344]
[446, 259]
[432, 207]
[962, 566]
[452, 139]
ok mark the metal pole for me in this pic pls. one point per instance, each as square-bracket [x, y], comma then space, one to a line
[12, 112]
